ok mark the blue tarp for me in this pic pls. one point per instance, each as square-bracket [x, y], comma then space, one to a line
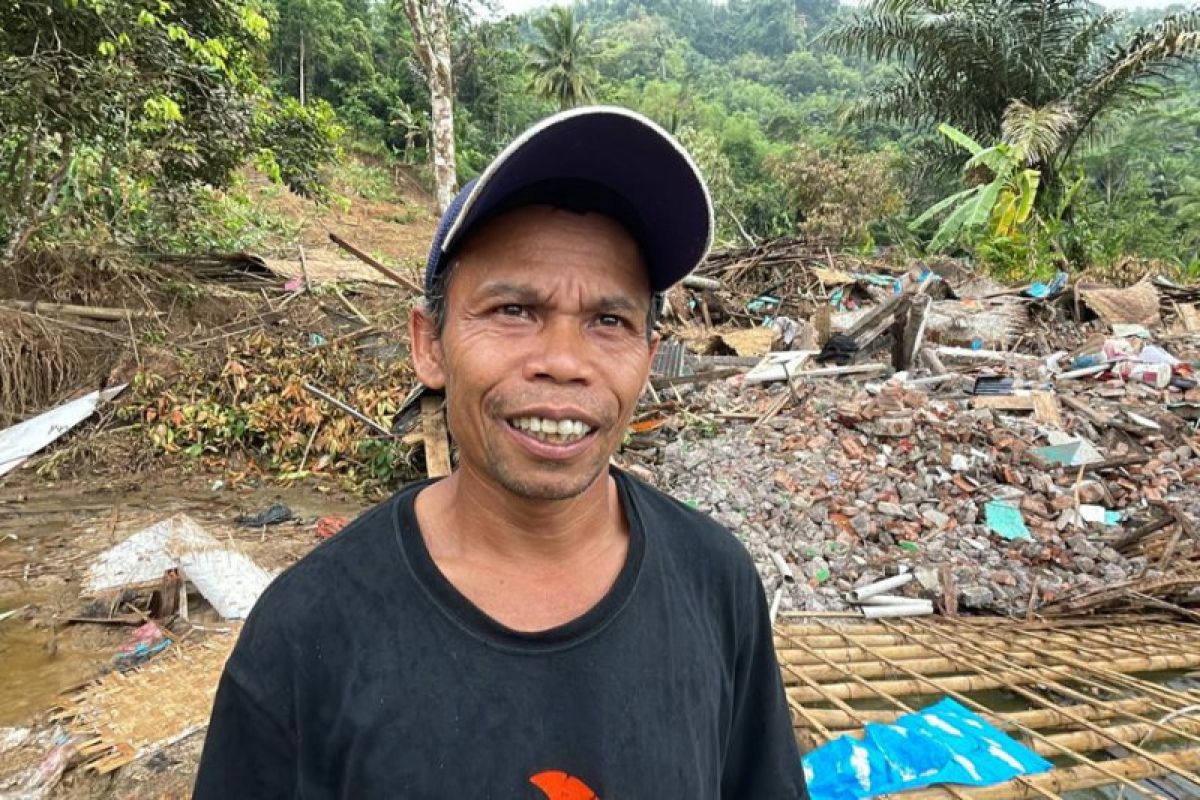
[945, 743]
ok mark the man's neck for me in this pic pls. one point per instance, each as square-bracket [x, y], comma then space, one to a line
[476, 518]
[529, 564]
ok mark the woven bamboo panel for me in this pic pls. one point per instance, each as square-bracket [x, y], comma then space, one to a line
[127, 715]
[1135, 304]
[1075, 682]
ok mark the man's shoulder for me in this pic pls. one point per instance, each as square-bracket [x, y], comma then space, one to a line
[363, 552]
[687, 530]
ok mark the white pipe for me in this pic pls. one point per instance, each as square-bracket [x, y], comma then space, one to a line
[785, 569]
[775, 604]
[880, 612]
[879, 587]
[1083, 372]
[893, 600]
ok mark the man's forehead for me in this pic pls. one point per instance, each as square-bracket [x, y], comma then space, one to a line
[525, 288]
[538, 239]
[532, 224]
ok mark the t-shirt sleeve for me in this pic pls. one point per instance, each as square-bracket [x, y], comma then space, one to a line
[762, 760]
[250, 748]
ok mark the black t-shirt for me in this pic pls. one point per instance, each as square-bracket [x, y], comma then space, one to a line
[363, 673]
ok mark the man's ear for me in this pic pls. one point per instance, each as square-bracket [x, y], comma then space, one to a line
[426, 343]
[655, 341]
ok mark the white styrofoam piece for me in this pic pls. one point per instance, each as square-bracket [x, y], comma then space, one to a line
[229, 580]
[22, 440]
[147, 554]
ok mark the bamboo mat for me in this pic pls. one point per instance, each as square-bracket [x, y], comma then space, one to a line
[1075, 680]
[126, 715]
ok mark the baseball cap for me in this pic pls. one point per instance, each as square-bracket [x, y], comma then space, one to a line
[594, 158]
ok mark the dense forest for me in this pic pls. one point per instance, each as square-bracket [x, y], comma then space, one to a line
[1031, 135]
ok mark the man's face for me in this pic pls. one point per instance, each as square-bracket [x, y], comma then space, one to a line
[544, 351]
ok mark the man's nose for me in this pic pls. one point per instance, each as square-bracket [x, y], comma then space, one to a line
[560, 353]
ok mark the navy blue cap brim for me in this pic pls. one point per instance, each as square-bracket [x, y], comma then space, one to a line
[617, 149]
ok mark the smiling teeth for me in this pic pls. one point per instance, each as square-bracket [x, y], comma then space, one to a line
[558, 431]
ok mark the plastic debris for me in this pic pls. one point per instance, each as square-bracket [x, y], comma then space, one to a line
[944, 743]
[329, 525]
[19, 442]
[228, 579]
[1098, 514]
[1005, 520]
[147, 641]
[271, 516]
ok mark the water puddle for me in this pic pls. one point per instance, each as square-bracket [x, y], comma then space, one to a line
[33, 677]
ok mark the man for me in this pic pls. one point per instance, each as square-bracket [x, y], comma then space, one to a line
[536, 624]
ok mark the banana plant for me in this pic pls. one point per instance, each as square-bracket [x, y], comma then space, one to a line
[999, 207]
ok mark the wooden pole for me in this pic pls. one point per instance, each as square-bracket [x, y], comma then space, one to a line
[91, 312]
[436, 437]
[304, 270]
[923, 666]
[1036, 718]
[358, 415]
[376, 265]
[1135, 733]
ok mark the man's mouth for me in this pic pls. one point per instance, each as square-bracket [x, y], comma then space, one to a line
[552, 431]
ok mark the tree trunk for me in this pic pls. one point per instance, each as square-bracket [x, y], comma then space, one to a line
[301, 67]
[29, 220]
[431, 34]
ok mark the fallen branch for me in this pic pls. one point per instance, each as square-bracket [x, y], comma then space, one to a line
[91, 312]
[374, 264]
[358, 415]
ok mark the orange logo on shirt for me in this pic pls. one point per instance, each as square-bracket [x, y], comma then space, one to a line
[561, 786]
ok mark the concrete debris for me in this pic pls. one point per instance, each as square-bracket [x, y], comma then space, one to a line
[1077, 482]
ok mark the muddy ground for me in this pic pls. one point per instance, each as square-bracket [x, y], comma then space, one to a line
[105, 480]
[51, 531]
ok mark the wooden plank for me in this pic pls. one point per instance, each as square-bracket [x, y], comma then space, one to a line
[436, 436]
[1005, 402]
[1189, 315]
[1045, 409]
[91, 312]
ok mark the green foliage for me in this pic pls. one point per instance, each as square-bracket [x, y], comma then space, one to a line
[297, 141]
[965, 62]
[138, 125]
[135, 114]
[561, 62]
[828, 195]
[996, 207]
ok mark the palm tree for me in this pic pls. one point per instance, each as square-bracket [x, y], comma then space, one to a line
[562, 61]
[964, 62]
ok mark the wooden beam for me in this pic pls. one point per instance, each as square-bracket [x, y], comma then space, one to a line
[375, 264]
[91, 312]
[436, 437]
[1004, 402]
[1045, 409]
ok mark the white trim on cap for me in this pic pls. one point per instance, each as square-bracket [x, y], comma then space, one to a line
[563, 116]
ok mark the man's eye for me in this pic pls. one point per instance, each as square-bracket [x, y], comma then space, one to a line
[611, 320]
[511, 310]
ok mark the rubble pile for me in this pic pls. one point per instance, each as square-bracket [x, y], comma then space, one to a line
[849, 486]
[1027, 450]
